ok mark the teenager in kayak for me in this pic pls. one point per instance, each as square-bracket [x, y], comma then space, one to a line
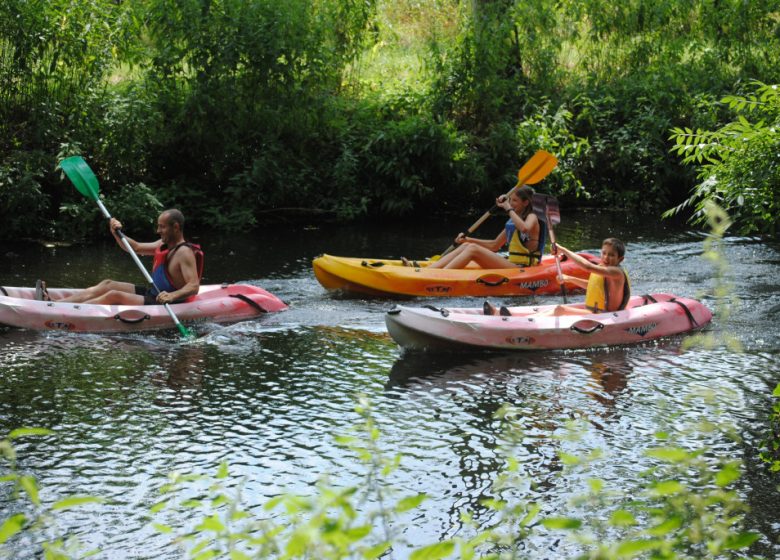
[177, 268]
[523, 233]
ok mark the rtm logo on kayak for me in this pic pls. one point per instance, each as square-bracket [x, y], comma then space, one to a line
[642, 330]
[438, 289]
[59, 326]
[520, 340]
[533, 285]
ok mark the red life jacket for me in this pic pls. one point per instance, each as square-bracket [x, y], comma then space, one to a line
[162, 254]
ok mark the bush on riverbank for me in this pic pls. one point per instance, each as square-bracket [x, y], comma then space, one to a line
[246, 112]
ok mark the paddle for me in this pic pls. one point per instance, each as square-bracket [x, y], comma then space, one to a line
[535, 169]
[546, 206]
[86, 183]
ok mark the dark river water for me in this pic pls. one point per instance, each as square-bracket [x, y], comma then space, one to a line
[269, 396]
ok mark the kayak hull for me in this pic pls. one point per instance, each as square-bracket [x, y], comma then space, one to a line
[540, 328]
[389, 278]
[216, 303]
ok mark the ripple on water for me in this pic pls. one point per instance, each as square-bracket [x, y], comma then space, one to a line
[269, 395]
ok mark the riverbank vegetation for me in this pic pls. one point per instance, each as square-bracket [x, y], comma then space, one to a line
[245, 113]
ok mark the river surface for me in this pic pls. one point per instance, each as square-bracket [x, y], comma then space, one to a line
[269, 396]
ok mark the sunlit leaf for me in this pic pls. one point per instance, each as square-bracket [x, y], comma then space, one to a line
[728, 474]
[633, 548]
[165, 529]
[668, 454]
[222, 472]
[434, 551]
[24, 432]
[377, 550]
[742, 540]
[666, 527]
[29, 485]
[410, 502]
[11, 526]
[211, 523]
[622, 518]
[561, 523]
[666, 488]
[76, 501]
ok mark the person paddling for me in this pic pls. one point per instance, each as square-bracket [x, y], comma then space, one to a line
[606, 289]
[523, 232]
[177, 268]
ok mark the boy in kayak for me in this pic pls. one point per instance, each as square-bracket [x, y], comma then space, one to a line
[177, 269]
[522, 232]
[606, 289]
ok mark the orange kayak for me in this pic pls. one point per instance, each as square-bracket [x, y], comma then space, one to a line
[390, 278]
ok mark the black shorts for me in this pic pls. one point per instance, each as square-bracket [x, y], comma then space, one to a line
[149, 293]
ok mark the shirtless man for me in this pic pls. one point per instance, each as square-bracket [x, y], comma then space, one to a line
[177, 268]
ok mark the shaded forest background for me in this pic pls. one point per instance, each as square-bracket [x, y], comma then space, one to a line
[246, 112]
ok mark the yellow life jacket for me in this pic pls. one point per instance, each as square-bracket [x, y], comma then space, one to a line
[597, 297]
[518, 252]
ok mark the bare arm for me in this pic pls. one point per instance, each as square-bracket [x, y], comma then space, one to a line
[187, 266]
[492, 244]
[613, 272]
[576, 280]
[528, 225]
[139, 248]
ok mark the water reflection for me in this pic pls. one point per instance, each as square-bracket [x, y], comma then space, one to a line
[269, 395]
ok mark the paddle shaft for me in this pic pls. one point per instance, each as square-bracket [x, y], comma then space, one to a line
[534, 170]
[557, 254]
[481, 221]
[182, 329]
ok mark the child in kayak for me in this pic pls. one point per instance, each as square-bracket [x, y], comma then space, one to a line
[607, 288]
[523, 232]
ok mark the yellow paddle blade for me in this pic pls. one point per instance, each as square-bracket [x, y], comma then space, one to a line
[536, 168]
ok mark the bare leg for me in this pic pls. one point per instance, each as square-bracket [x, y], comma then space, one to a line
[468, 252]
[100, 289]
[446, 259]
[118, 297]
[560, 310]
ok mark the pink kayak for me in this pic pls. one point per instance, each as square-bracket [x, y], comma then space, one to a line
[539, 327]
[218, 303]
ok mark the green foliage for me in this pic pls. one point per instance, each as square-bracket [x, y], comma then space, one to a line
[324, 525]
[723, 291]
[39, 520]
[770, 445]
[738, 163]
[21, 175]
[243, 112]
[687, 506]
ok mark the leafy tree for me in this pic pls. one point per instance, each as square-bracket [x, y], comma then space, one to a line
[739, 162]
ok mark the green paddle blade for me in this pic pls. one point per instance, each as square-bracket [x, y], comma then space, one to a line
[81, 176]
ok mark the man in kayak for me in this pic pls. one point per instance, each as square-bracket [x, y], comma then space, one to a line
[522, 232]
[177, 269]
